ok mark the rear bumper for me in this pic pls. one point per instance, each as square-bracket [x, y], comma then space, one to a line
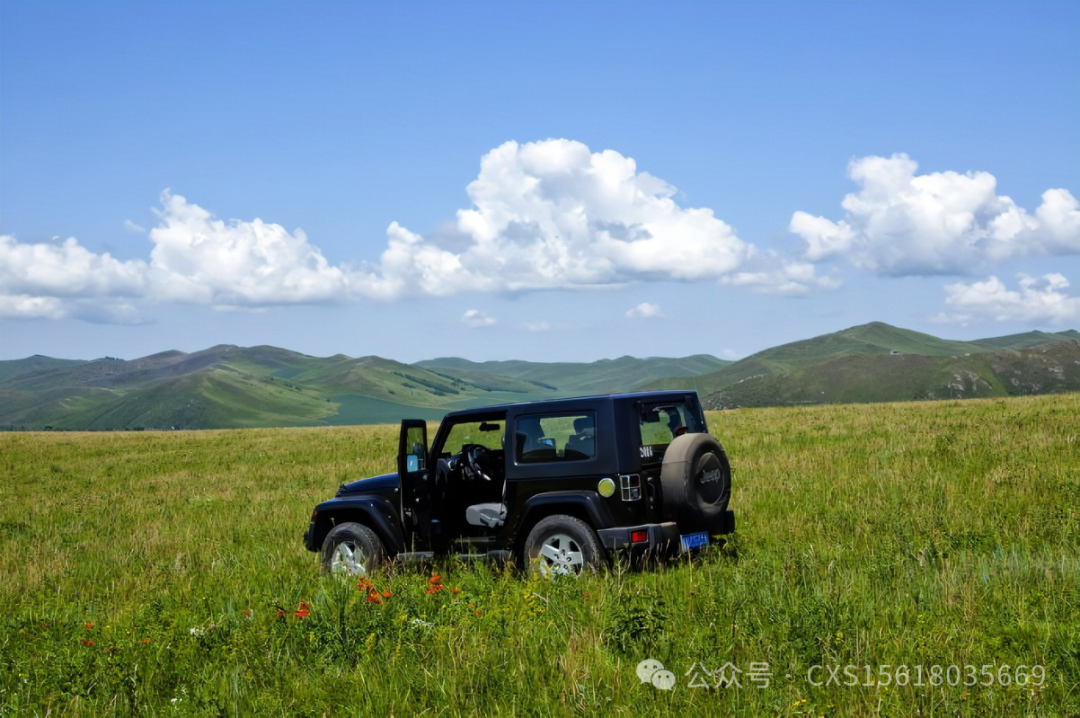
[618, 538]
[662, 535]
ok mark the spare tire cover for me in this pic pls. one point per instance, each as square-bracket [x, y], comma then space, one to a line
[696, 480]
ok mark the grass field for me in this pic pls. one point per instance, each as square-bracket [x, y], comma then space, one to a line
[163, 573]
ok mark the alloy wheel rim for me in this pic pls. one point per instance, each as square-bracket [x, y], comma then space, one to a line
[348, 559]
[560, 555]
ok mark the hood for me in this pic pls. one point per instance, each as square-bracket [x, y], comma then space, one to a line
[372, 485]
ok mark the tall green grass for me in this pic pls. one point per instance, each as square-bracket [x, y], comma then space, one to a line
[918, 534]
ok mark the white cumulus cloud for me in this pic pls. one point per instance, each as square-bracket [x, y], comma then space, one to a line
[774, 274]
[646, 310]
[1037, 299]
[555, 215]
[543, 215]
[201, 259]
[901, 223]
[475, 319]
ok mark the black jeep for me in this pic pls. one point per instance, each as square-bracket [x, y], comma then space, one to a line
[562, 482]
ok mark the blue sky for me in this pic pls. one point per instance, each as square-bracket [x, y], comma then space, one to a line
[556, 181]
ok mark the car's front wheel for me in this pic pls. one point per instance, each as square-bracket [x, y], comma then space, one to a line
[562, 546]
[352, 549]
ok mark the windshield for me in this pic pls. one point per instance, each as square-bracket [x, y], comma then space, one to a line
[488, 434]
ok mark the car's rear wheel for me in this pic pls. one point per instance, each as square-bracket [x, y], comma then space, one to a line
[562, 545]
[352, 549]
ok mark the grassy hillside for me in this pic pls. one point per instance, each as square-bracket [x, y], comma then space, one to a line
[229, 386]
[1045, 369]
[161, 573]
[1029, 339]
[604, 376]
[36, 363]
[878, 362]
[875, 339]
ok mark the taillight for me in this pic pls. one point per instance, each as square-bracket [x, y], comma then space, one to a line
[639, 536]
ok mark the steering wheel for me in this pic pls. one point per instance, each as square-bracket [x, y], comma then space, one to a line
[477, 458]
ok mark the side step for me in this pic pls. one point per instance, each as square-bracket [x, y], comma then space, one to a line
[499, 557]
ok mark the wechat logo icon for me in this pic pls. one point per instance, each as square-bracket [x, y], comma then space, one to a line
[652, 671]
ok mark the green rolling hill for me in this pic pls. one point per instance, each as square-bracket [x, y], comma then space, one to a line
[1029, 339]
[599, 377]
[879, 362]
[229, 386]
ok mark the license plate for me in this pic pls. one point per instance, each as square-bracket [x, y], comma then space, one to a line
[692, 541]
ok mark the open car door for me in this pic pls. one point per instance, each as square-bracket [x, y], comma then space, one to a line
[412, 476]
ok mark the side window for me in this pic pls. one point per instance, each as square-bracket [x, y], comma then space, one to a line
[661, 423]
[555, 437]
[416, 458]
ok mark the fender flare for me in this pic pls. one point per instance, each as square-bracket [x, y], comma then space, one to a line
[375, 512]
[588, 503]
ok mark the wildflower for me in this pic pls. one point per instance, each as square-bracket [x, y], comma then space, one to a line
[302, 613]
[87, 643]
[247, 612]
[280, 613]
[455, 590]
[422, 624]
[144, 640]
[197, 631]
[435, 578]
[88, 625]
[364, 584]
[305, 604]
[478, 612]
[373, 598]
[387, 594]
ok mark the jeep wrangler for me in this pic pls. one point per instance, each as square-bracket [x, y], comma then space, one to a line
[559, 484]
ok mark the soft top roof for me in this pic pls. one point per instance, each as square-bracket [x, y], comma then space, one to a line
[572, 402]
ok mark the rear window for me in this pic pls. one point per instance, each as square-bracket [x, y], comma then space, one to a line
[661, 423]
[555, 437]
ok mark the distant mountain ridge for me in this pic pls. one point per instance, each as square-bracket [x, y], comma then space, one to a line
[879, 362]
[228, 386]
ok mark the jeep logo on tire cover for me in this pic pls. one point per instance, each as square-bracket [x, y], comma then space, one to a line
[710, 476]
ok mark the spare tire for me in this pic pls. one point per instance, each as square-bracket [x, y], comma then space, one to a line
[696, 482]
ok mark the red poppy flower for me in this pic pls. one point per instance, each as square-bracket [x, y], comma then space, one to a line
[305, 604]
[373, 598]
[455, 590]
[87, 643]
[387, 594]
[246, 612]
[364, 583]
[302, 613]
[433, 590]
[88, 625]
[435, 578]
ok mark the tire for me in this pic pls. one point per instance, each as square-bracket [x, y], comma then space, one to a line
[352, 549]
[562, 545]
[696, 481]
